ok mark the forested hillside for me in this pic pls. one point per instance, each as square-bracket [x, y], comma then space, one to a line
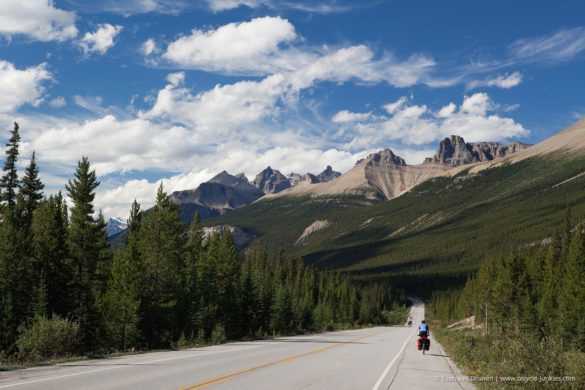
[434, 235]
[64, 291]
[529, 308]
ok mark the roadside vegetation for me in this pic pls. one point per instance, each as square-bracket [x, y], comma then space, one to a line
[65, 292]
[529, 308]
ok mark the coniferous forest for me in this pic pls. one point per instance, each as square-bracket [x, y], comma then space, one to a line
[65, 291]
[529, 308]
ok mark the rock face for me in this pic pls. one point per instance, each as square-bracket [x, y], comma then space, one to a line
[314, 227]
[241, 238]
[115, 226]
[308, 178]
[271, 181]
[385, 157]
[382, 175]
[222, 193]
[327, 175]
[454, 151]
[389, 176]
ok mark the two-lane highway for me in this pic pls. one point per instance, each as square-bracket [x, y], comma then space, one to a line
[355, 359]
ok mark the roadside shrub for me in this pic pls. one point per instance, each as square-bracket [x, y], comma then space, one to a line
[218, 334]
[47, 338]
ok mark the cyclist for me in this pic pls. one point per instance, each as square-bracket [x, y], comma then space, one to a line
[423, 329]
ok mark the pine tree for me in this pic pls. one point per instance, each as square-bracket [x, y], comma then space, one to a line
[119, 306]
[228, 274]
[162, 242]
[193, 254]
[9, 182]
[548, 305]
[32, 190]
[86, 241]
[49, 242]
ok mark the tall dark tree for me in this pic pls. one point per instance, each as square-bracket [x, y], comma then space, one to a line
[32, 191]
[9, 182]
[86, 242]
[162, 243]
[49, 241]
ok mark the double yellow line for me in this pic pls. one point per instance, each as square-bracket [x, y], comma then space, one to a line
[223, 378]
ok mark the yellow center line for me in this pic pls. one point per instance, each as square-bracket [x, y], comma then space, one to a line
[223, 378]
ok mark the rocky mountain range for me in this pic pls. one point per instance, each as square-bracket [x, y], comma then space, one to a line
[384, 175]
[454, 151]
[222, 193]
[379, 176]
[226, 192]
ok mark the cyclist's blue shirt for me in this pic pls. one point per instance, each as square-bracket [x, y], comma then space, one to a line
[423, 328]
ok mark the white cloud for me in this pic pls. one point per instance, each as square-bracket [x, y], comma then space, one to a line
[101, 40]
[475, 120]
[345, 116]
[220, 109]
[476, 104]
[116, 201]
[36, 19]
[224, 5]
[501, 81]
[392, 107]
[320, 7]
[58, 102]
[359, 63]
[561, 46]
[149, 47]
[19, 87]
[248, 47]
[265, 46]
[447, 110]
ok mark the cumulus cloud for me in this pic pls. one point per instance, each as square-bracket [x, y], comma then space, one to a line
[149, 47]
[248, 47]
[506, 81]
[21, 86]
[220, 109]
[36, 19]
[345, 116]
[101, 40]
[475, 119]
[265, 46]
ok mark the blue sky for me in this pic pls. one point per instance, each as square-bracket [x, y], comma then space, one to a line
[179, 90]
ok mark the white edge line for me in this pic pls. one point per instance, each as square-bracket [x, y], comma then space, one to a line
[383, 376]
[114, 368]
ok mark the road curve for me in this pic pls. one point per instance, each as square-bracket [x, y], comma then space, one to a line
[372, 358]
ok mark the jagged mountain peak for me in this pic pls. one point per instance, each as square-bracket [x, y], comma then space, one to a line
[385, 156]
[327, 175]
[271, 181]
[454, 151]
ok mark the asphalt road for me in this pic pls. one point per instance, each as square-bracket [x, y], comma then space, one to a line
[372, 359]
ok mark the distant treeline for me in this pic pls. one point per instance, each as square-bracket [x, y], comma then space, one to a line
[532, 304]
[65, 291]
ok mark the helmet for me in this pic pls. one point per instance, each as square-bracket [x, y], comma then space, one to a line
[423, 321]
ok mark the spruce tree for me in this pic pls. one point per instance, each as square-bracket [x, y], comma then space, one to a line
[32, 191]
[86, 241]
[191, 298]
[9, 182]
[162, 243]
[49, 242]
